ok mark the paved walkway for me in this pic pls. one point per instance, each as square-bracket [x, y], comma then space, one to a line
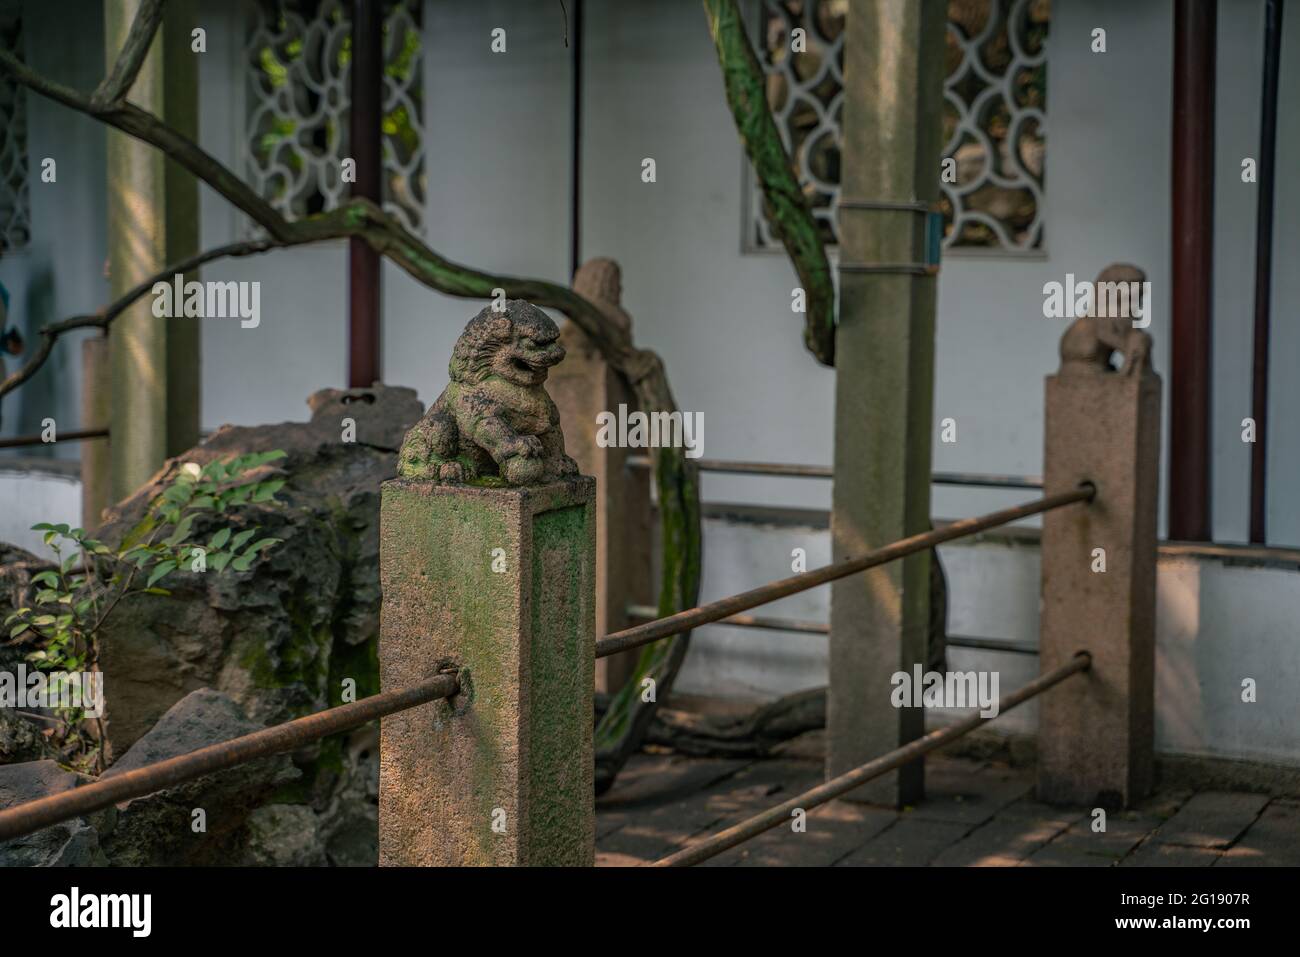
[976, 814]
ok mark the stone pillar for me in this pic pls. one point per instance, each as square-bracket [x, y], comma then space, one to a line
[96, 399]
[884, 386]
[584, 385]
[498, 583]
[1096, 730]
[152, 221]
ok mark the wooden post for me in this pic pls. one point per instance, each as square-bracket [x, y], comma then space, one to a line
[1096, 731]
[498, 583]
[583, 386]
[884, 388]
[152, 221]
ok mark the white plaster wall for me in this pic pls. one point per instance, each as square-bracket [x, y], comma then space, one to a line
[32, 496]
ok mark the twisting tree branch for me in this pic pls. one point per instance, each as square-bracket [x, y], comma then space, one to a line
[622, 727]
[119, 81]
[745, 86]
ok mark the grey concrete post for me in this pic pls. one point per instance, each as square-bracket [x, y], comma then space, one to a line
[884, 386]
[498, 583]
[1095, 734]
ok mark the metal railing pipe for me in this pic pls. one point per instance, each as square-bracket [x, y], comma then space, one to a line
[766, 820]
[716, 611]
[23, 441]
[34, 815]
[795, 470]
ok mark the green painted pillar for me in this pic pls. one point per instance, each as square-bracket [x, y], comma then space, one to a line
[499, 583]
[152, 221]
[884, 394]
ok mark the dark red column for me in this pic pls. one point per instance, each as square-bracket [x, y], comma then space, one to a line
[1193, 261]
[366, 149]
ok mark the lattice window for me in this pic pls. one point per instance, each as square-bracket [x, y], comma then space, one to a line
[298, 56]
[15, 206]
[994, 125]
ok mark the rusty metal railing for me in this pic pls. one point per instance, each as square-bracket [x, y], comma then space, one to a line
[43, 812]
[803, 626]
[766, 820]
[715, 611]
[34, 815]
[794, 470]
[23, 441]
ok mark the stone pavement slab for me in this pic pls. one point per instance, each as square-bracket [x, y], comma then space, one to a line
[1272, 841]
[1009, 837]
[833, 831]
[976, 813]
[911, 842]
[1212, 819]
[1080, 846]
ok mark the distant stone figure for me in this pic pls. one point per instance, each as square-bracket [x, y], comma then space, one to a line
[494, 419]
[1087, 345]
[600, 282]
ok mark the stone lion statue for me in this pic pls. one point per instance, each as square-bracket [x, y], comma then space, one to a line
[494, 419]
[1091, 341]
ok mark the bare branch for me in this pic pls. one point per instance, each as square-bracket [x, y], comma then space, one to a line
[24, 75]
[50, 334]
[114, 87]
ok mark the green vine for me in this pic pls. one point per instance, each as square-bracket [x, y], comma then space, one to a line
[743, 79]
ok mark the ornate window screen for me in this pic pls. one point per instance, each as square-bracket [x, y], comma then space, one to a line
[15, 206]
[994, 123]
[298, 57]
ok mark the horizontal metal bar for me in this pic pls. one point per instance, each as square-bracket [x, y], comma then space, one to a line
[804, 626]
[650, 613]
[34, 815]
[22, 441]
[715, 611]
[992, 644]
[766, 820]
[792, 470]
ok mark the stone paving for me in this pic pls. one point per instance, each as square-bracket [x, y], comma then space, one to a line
[976, 814]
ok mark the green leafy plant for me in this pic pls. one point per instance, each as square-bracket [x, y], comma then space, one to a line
[89, 579]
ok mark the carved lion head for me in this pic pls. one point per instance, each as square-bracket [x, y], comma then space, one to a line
[518, 344]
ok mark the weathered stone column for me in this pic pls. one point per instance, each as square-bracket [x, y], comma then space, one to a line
[884, 385]
[487, 565]
[583, 386]
[1096, 730]
[153, 220]
[498, 582]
